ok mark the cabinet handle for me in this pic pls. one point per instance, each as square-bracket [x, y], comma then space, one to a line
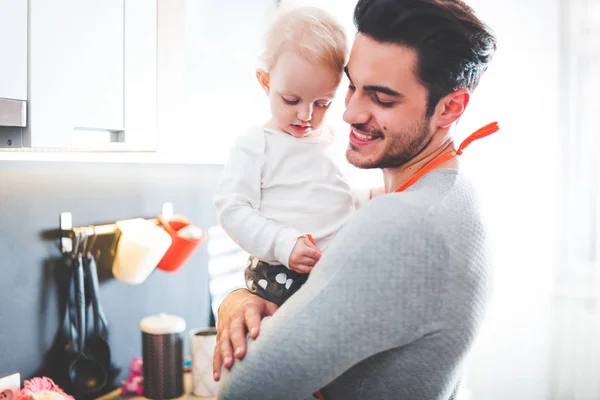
[13, 113]
[116, 135]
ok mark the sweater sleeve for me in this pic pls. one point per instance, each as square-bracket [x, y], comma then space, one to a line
[383, 294]
[238, 197]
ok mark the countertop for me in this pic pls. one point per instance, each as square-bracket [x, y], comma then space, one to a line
[187, 382]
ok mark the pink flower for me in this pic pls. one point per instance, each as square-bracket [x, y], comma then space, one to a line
[37, 385]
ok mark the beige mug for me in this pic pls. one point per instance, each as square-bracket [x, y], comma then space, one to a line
[141, 245]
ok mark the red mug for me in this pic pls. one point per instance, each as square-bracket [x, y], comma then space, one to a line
[181, 247]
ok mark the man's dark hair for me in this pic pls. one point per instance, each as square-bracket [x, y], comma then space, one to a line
[453, 46]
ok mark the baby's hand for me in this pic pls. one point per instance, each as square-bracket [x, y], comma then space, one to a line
[304, 256]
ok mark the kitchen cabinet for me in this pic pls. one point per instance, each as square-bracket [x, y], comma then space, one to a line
[13, 49]
[96, 64]
[13, 67]
[92, 75]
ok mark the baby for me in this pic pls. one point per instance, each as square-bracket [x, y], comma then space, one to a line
[281, 196]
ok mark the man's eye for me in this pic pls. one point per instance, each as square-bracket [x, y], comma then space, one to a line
[291, 102]
[351, 87]
[383, 103]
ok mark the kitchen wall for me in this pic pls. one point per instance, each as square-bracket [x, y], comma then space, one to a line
[33, 279]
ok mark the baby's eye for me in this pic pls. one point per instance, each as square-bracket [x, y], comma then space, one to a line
[290, 100]
[322, 105]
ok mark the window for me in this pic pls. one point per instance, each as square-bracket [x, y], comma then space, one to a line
[208, 94]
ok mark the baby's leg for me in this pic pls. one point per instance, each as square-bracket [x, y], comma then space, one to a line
[274, 283]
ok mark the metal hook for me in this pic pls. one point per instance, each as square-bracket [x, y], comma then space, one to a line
[115, 243]
[83, 244]
[88, 250]
[76, 241]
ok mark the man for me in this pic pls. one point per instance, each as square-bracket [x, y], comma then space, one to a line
[392, 307]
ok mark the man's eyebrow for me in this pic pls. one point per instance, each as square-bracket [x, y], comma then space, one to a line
[375, 88]
[382, 89]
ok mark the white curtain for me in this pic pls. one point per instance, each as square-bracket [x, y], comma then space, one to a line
[576, 324]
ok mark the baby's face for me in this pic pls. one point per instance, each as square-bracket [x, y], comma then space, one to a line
[300, 93]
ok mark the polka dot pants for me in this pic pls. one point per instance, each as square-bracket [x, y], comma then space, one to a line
[275, 283]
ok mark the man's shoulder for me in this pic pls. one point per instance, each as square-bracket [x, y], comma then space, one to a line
[438, 201]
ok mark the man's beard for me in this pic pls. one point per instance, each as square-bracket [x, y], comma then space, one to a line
[399, 149]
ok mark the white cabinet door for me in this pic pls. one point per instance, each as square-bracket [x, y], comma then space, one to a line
[96, 49]
[76, 72]
[92, 74]
[13, 49]
[50, 73]
[140, 71]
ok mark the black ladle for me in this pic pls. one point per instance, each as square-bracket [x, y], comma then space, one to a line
[96, 345]
[71, 330]
[87, 375]
[70, 316]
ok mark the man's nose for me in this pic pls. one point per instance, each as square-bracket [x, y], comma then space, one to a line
[356, 112]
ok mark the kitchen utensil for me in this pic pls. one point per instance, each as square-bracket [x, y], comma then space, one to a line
[96, 344]
[87, 375]
[71, 331]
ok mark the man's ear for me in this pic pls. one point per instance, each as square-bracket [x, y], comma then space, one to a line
[263, 79]
[451, 107]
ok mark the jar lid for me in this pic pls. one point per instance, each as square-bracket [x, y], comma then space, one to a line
[162, 324]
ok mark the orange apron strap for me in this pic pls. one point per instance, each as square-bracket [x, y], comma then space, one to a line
[478, 134]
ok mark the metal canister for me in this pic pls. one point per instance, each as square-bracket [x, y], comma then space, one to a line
[162, 352]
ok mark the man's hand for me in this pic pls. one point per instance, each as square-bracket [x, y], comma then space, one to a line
[304, 256]
[240, 312]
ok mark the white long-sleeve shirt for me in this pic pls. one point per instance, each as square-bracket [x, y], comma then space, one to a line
[276, 188]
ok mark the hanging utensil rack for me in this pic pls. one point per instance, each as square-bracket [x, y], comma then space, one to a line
[69, 232]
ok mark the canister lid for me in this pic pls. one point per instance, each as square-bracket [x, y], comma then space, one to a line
[162, 324]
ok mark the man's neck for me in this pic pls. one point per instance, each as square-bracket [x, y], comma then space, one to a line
[393, 178]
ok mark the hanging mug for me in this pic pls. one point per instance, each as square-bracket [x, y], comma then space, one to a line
[141, 245]
[185, 239]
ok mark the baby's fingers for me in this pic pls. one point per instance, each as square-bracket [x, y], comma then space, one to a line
[302, 268]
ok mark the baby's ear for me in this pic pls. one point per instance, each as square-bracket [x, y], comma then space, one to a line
[263, 79]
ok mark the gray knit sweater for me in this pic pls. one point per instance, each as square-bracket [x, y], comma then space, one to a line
[389, 312]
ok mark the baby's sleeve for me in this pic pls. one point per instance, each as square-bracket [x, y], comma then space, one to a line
[360, 197]
[238, 197]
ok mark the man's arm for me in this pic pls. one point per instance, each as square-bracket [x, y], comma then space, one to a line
[376, 288]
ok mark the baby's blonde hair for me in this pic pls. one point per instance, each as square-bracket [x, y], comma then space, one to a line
[310, 32]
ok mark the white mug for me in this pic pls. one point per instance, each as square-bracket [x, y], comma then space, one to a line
[203, 342]
[141, 246]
